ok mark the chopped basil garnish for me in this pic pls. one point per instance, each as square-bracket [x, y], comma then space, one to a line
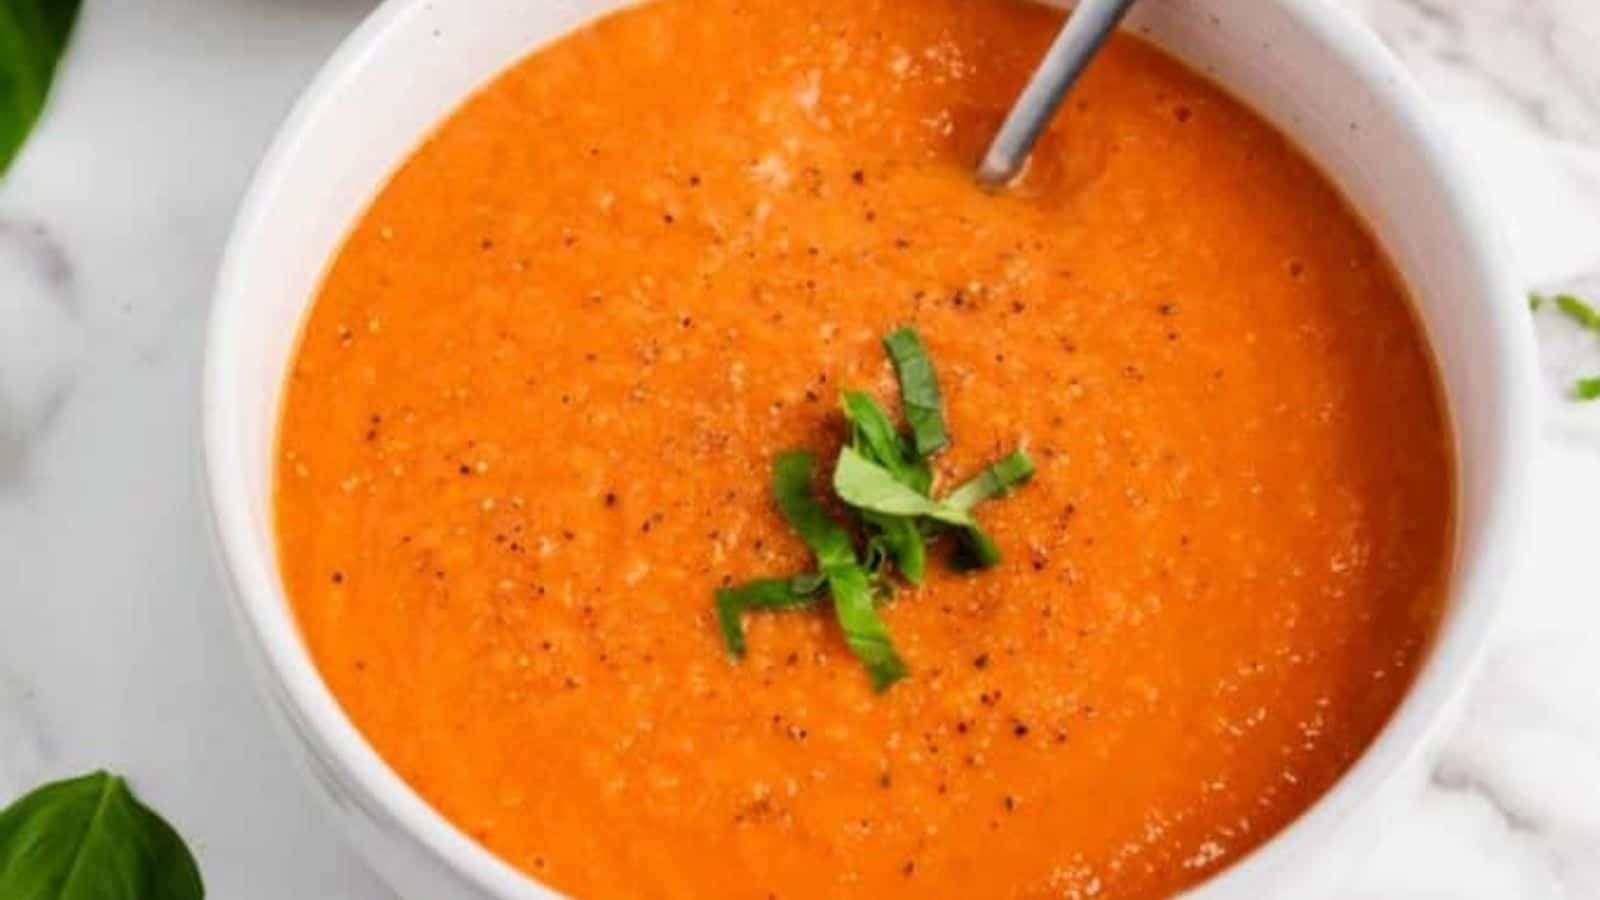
[863, 628]
[795, 592]
[884, 479]
[847, 581]
[919, 391]
[1585, 315]
[875, 437]
[791, 486]
[868, 486]
[995, 481]
[1578, 311]
[903, 541]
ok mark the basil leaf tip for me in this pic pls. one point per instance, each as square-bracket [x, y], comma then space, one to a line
[33, 37]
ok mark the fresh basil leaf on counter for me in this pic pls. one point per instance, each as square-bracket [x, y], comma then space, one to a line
[1578, 311]
[33, 35]
[89, 838]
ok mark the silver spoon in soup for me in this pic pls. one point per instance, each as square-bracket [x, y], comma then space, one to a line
[1082, 35]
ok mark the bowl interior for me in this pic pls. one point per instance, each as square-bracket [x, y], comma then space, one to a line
[1304, 66]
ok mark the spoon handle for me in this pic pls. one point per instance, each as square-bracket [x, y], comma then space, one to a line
[1089, 25]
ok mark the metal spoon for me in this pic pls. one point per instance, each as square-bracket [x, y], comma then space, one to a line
[1082, 35]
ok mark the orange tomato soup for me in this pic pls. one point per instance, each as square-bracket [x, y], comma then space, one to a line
[528, 430]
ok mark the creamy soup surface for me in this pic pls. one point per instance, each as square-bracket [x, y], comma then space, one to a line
[528, 430]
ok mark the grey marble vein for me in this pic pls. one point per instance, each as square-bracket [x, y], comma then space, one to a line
[1533, 56]
[1456, 778]
[1563, 861]
[40, 345]
[48, 256]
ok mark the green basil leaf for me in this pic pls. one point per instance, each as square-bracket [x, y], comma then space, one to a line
[1587, 389]
[872, 433]
[919, 391]
[33, 35]
[903, 540]
[1578, 311]
[996, 480]
[794, 592]
[869, 486]
[88, 838]
[807, 583]
[863, 628]
[848, 582]
[791, 486]
[884, 478]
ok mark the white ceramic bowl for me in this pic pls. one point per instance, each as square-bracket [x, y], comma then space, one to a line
[1302, 63]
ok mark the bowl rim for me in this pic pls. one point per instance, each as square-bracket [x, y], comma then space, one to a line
[290, 675]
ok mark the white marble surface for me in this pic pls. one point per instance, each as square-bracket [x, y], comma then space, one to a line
[115, 649]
